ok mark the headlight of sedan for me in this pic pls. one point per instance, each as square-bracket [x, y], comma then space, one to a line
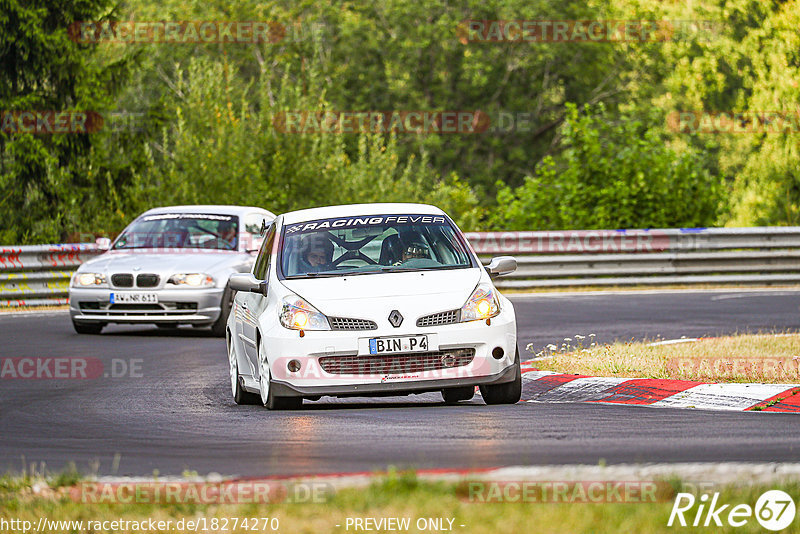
[482, 304]
[297, 314]
[88, 280]
[192, 280]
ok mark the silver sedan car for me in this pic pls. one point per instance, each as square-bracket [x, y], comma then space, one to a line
[169, 267]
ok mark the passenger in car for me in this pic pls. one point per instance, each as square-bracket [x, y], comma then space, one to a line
[413, 247]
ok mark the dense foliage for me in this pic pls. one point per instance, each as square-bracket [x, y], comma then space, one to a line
[614, 172]
[580, 134]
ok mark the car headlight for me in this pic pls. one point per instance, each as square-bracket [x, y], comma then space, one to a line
[88, 280]
[482, 304]
[191, 280]
[298, 314]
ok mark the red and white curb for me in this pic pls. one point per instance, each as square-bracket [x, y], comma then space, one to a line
[548, 386]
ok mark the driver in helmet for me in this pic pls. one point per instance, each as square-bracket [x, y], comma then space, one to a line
[316, 253]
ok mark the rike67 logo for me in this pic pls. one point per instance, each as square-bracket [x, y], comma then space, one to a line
[774, 510]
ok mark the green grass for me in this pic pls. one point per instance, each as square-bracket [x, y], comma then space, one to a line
[763, 358]
[392, 495]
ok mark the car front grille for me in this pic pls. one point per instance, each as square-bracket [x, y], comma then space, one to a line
[395, 364]
[437, 319]
[161, 309]
[344, 323]
[135, 307]
[147, 280]
[122, 280]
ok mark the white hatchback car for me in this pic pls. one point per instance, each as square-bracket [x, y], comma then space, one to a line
[370, 300]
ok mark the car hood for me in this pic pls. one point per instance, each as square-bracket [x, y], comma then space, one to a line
[164, 263]
[372, 296]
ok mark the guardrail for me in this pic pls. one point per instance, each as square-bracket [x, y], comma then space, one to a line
[40, 274]
[759, 255]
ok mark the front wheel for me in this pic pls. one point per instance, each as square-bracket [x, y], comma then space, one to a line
[240, 396]
[268, 397]
[88, 328]
[454, 395]
[508, 393]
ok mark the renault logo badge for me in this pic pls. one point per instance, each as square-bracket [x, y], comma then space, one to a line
[395, 318]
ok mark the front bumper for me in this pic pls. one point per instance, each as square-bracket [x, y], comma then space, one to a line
[284, 389]
[283, 345]
[188, 306]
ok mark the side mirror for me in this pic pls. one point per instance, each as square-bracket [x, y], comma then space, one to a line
[501, 265]
[103, 243]
[247, 282]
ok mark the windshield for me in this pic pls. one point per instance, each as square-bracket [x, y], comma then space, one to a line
[371, 244]
[181, 231]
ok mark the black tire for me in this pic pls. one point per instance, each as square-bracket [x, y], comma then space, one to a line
[221, 324]
[273, 401]
[454, 395]
[243, 397]
[283, 403]
[88, 328]
[240, 395]
[508, 393]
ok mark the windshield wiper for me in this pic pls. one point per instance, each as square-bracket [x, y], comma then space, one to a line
[331, 274]
[313, 275]
[388, 269]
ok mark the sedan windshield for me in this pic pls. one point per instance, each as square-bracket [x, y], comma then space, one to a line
[181, 230]
[371, 244]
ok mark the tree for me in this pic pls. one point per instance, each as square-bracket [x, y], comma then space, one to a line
[224, 147]
[42, 190]
[613, 173]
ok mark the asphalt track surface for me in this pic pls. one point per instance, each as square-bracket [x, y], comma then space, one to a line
[177, 414]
